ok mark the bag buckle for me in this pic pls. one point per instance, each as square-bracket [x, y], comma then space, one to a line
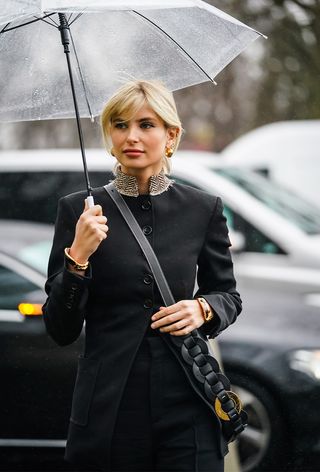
[218, 406]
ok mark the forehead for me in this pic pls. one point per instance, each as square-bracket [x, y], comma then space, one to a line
[144, 112]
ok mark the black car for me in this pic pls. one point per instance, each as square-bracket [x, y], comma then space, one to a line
[37, 375]
[271, 354]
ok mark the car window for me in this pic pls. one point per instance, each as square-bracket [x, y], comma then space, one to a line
[33, 196]
[292, 207]
[36, 255]
[255, 240]
[13, 288]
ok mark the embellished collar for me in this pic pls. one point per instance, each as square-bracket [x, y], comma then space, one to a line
[128, 185]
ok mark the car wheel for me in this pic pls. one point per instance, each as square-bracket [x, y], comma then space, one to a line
[263, 445]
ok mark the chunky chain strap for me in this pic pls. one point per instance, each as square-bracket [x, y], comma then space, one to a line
[215, 385]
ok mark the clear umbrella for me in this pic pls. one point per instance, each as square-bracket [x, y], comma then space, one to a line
[180, 42]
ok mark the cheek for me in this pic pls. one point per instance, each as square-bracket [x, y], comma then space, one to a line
[158, 141]
[115, 138]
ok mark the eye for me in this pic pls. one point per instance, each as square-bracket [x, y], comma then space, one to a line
[146, 125]
[120, 125]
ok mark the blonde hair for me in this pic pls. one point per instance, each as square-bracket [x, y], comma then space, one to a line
[131, 97]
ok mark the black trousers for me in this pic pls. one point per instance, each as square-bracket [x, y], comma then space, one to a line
[162, 424]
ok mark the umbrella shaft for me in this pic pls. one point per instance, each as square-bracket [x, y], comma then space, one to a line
[64, 31]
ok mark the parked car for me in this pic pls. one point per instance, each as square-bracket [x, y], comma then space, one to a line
[286, 151]
[37, 376]
[272, 356]
[272, 229]
[277, 231]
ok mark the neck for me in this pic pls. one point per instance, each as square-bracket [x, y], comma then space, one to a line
[142, 176]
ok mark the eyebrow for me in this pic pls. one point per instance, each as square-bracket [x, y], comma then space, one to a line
[121, 120]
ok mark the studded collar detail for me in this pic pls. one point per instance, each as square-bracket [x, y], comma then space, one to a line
[128, 185]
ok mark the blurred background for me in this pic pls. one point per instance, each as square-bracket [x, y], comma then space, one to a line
[274, 80]
[254, 139]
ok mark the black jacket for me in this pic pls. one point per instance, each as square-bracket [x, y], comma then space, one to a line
[117, 296]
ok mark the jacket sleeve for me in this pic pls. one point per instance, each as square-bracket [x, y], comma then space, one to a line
[215, 276]
[64, 309]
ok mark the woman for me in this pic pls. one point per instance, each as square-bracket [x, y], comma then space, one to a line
[133, 408]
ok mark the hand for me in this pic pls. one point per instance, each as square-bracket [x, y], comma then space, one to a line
[91, 230]
[178, 319]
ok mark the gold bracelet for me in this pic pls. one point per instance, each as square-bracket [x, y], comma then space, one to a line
[206, 309]
[74, 264]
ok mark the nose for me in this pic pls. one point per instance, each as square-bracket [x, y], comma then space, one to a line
[133, 134]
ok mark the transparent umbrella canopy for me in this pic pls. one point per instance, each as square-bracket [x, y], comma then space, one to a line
[180, 42]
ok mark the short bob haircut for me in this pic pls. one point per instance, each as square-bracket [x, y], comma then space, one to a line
[132, 96]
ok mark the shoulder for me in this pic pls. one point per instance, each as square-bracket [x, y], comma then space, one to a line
[196, 197]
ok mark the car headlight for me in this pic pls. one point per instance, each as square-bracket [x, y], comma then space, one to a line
[306, 361]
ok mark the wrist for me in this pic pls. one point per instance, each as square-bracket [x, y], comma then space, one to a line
[78, 255]
[206, 309]
[73, 263]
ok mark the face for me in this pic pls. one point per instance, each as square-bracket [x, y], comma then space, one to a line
[139, 144]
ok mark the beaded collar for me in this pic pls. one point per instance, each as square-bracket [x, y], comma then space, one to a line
[128, 185]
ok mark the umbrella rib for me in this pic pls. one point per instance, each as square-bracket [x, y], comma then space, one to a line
[27, 23]
[52, 23]
[75, 19]
[4, 28]
[81, 76]
[176, 43]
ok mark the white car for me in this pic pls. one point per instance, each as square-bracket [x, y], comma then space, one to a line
[273, 232]
[287, 151]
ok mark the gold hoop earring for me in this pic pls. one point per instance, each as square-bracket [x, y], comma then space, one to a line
[168, 152]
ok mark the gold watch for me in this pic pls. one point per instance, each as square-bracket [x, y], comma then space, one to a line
[206, 309]
[74, 264]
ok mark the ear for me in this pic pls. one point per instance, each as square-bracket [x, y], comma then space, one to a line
[172, 134]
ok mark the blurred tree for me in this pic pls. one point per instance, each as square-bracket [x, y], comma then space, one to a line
[276, 79]
[289, 88]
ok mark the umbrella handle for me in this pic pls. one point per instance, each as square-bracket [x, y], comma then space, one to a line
[90, 201]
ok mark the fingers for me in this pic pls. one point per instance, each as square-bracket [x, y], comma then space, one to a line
[91, 230]
[164, 311]
[95, 210]
[180, 325]
[166, 320]
[183, 332]
[178, 319]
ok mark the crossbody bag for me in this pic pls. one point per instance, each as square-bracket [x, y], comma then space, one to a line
[192, 350]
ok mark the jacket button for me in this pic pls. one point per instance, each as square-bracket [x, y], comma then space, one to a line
[148, 279]
[146, 205]
[147, 230]
[148, 303]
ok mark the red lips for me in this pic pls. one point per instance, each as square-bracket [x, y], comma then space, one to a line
[132, 150]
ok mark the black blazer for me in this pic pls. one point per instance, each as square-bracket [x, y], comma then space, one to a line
[117, 296]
